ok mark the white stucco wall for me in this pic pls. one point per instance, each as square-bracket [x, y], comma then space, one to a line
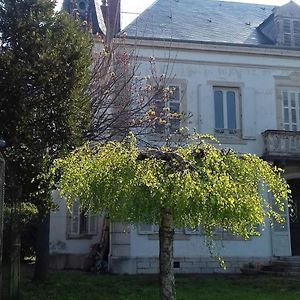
[59, 241]
[202, 69]
[143, 246]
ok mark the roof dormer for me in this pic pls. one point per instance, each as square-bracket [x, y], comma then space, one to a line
[287, 20]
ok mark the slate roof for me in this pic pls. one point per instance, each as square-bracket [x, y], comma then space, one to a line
[202, 21]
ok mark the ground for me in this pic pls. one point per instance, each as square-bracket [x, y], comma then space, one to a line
[75, 285]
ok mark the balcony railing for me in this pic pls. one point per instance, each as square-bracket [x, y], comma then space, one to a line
[280, 144]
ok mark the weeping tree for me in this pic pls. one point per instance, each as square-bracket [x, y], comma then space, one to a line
[192, 185]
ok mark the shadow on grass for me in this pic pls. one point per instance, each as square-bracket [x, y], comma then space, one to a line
[75, 285]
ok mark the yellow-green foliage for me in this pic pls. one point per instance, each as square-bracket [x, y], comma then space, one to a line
[207, 187]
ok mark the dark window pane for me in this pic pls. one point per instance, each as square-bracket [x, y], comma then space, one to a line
[174, 125]
[293, 99]
[219, 111]
[294, 120]
[174, 119]
[287, 39]
[175, 93]
[296, 26]
[297, 40]
[231, 110]
[287, 127]
[286, 115]
[174, 107]
[159, 127]
[285, 99]
[83, 222]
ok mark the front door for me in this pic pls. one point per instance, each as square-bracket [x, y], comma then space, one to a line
[295, 216]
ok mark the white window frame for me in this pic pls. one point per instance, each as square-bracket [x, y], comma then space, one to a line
[226, 130]
[74, 219]
[290, 111]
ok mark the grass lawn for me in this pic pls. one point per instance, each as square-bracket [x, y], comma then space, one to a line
[69, 285]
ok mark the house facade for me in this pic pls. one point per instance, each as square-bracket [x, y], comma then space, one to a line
[236, 71]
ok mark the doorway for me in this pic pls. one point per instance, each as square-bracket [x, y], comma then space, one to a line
[295, 216]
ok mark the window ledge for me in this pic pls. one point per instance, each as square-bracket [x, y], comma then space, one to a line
[229, 136]
[228, 237]
[84, 236]
[161, 137]
[177, 237]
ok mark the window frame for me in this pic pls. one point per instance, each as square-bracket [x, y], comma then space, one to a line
[165, 129]
[293, 33]
[226, 131]
[288, 125]
[74, 215]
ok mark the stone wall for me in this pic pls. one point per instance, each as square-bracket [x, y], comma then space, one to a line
[184, 265]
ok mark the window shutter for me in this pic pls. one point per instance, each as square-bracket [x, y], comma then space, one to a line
[296, 32]
[248, 115]
[280, 232]
[75, 217]
[219, 111]
[287, 26]
[231, 110]
[93, 224]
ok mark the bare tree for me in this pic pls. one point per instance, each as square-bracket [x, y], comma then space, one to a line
[123, 99]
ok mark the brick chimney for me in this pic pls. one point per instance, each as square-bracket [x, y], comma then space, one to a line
[111, 10]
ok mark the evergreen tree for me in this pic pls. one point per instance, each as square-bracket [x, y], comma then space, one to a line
[44, 61]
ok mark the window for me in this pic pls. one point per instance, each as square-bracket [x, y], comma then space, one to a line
[167, 111]
[291, 32]
[154, 229]
[291, 109]
[226, 107]
[192, 231]
[81, 223]
[222, 234]
[148, 229]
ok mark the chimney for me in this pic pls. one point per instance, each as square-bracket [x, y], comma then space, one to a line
[113, 18]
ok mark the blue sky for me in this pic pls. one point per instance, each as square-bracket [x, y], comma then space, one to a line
[131, 8]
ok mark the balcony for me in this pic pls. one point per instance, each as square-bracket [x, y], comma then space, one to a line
[281, 145]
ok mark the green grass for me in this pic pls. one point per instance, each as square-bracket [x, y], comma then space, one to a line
[84, 286]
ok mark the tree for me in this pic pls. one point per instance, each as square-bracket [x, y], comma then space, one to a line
[192, 185]
[121, 98]
[44, 67]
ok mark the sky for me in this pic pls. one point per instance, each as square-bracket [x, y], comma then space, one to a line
[131, 8]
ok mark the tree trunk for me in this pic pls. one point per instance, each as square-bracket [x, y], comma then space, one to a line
[14, 282]
[166, 268]
[2, 178]
[15, 247]
[42, 248]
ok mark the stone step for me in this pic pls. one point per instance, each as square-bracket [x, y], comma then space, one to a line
[289, 266]
[290, 258]
[281, 274]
